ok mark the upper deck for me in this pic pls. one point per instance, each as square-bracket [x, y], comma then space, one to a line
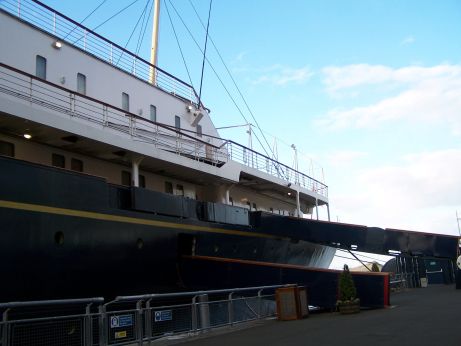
[109, 127]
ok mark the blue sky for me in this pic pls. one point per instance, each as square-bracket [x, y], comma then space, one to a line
[369, 90]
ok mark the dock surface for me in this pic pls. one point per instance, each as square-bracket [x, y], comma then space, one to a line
[423, 316]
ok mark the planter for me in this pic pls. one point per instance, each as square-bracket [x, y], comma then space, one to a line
[349, 308]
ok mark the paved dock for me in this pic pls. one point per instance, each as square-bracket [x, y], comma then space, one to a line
[424, 316]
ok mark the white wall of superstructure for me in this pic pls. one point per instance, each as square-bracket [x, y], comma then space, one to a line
[103, 81]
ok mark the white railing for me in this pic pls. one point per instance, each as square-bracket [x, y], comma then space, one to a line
[83, 108]
[66, 29]
[263, 163]
[208, 149]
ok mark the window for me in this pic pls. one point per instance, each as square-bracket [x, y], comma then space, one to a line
[153, 113]
[177, 122]
[271, 210]
[81, 83]
[58, 160]
[179, 190]
[76, 165]
[168, 187]
[249, 205]
[125, 102]
[199, 130]
[254, 206]
[231, 201]
[7, 149]
[40, 67]
[126, 178]
[142, 181]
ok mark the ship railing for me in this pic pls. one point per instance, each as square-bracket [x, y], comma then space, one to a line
[81, 108]
[200, 147]
[67, 30]
[263, 163]
[129, 320]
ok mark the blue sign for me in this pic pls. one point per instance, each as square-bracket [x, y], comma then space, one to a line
[121, 321]
[163, 315]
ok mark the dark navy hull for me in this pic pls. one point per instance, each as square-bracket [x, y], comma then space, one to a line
[68, 235]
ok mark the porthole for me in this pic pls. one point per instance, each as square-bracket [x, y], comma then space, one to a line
[59, 238]
[139, 243]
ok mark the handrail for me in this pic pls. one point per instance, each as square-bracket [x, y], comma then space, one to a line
[127, 113]
[119, 299]
[50, 302]
[180, 141]
[20, 10]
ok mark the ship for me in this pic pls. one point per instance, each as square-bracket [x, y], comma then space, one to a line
[114, 177]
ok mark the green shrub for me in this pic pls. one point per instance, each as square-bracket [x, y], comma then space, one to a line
[347, 291]
[375, 267]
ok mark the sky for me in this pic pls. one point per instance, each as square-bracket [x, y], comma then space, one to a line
[369, 91]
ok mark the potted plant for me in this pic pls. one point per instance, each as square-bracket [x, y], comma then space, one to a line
[348, 302]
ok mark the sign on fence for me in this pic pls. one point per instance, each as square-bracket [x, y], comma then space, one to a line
[163, 315]
[121, 321]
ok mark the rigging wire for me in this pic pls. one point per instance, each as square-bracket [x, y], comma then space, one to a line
[204, 53]
[98, 26]
[143, 29]
[217, 76]
[234, 82]
[115, 15]
[143, 13]
[351, 258]
[364, 256]
[179, 45]
[88, 16]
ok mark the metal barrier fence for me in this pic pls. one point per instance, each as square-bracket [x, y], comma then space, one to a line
[130, 320]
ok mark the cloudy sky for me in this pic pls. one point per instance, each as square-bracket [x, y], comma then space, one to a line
[369, 91]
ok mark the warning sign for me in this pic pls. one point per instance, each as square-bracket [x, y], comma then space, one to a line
[121, 321]
[163, 315]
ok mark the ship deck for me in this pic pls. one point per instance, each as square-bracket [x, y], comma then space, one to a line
[424, 316]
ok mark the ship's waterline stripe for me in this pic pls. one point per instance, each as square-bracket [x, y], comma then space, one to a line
[125, 219]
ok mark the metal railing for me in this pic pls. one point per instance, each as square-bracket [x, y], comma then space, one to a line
[72, 32]
[80, 107]
[263, 163]
[130, 320]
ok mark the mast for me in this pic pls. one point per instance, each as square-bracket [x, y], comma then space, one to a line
[154, 45]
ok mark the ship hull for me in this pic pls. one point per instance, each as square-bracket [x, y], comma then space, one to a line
[69, 235]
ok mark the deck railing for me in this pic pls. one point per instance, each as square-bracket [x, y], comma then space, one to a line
[64, 28]
[208, 149]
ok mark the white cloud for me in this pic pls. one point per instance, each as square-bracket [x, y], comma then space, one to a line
[240, 56]
[424, 93]
[344, 157]
[407, 40]
[282, 75]
[421, 193]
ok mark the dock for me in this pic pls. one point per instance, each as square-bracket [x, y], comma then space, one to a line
[422, 316]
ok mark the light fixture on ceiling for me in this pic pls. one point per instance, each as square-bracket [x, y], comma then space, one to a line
[27, 136]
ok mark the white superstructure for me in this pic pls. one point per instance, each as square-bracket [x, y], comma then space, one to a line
[88, 106]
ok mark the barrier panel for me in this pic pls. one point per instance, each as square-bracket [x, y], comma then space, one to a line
[130, 320]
